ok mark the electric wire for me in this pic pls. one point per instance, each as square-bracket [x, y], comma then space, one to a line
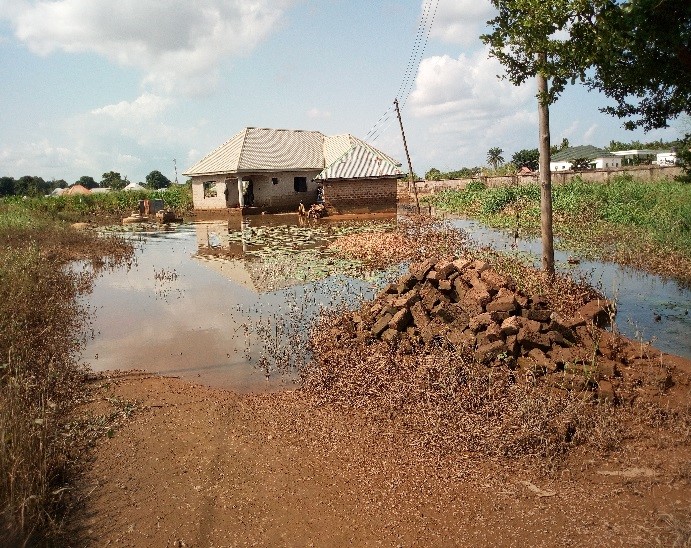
[427, 17]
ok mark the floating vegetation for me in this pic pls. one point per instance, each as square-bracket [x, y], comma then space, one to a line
[280, 256]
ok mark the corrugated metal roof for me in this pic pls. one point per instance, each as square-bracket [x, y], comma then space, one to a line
[358, 161]
[585, 151]
[263, 149]
[281, 149]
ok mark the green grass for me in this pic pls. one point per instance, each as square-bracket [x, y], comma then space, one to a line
[641, 223]
[73, 208]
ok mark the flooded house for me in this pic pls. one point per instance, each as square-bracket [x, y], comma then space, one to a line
[275, 170]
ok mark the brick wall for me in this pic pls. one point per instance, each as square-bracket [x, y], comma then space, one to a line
[639, 173]
[361, 195]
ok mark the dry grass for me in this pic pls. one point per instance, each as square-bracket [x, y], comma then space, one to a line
[41, 331]
[442, 402]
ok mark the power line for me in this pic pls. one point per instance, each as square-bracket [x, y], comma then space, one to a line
[424, 29]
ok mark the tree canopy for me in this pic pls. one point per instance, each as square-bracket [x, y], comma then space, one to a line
[526, 158]
[156, 180]
[87, 181]
[113, 180]
[643, 60]
[494, 157]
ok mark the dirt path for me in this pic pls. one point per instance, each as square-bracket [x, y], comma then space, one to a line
[195, 466]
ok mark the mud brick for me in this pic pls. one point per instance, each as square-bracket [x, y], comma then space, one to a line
[540, 358]
[511, 325]
[494, 280]
[461, 264]
[381, 324]
[607, 369]
[489, 335]
[470, 276]
[568, 381]
[538, 315]
[512, 346]
[420, 317]
[407, 300]
[432, 276]
[444, 312]
[478, 298]
[400, 320]
[538, 301]
[595, 312]
[431, 296]
[558, 326]
[420, 270]
[481, 321]
[433, 329]
[490, 351]
[444, 269]
[390, 336]
[504, 301]
[562, 356]
[556, 338]
[480, 266]
[606, 392]
[528, 339]
[609, 344]
[461, 339]
[453, 276]
[390, 289]
[530, 366]
[408, 280]
[444, 285]
[460, 289]
[522, 300]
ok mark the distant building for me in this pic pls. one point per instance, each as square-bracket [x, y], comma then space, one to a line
[277, 169]
[666, 158]
[641, 156]
[597, 158]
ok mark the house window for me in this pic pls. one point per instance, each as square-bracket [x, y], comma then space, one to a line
[300, 184]
[210, 189]
[274, 180]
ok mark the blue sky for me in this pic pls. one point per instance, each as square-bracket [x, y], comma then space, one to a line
[99, 85]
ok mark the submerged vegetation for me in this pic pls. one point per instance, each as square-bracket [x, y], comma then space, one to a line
[646, 225]
[42, 325]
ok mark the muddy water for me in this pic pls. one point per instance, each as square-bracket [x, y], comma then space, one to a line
[217, 320]
[649, 308]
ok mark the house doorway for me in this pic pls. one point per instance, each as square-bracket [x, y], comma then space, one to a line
[232, 198]
[247, 193]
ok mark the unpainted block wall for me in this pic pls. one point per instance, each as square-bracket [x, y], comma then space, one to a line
[361, 195]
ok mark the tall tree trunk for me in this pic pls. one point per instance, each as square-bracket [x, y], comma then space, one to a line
[545, 176]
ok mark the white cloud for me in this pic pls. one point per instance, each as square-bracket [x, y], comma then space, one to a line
[590, 134]
[144, 107]
[317, 114]
[177, 44]
[461, 21]
[468, 110]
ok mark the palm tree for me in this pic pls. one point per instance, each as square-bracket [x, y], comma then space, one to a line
[494, 157]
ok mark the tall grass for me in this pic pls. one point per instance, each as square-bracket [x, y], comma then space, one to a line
[623, 218]
[177, 198]
[42, 326]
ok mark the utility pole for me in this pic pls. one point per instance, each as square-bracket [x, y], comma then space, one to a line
[411, 178]
[175, 164]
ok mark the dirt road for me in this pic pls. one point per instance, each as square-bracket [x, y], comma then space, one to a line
[195, 466]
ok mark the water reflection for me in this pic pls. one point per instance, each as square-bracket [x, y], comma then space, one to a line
[649, 308]
[206, 303]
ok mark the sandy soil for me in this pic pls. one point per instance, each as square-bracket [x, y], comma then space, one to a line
[195, 466]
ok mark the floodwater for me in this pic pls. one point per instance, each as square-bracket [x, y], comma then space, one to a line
[229, 304]
[649, 308]
[208, 303]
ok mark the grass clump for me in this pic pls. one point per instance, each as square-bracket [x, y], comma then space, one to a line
[42, 326]
[642, 224]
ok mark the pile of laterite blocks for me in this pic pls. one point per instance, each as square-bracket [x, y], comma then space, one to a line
[469, 307]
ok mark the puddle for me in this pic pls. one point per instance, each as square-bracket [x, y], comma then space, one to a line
[649, 308]
[221, 304]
